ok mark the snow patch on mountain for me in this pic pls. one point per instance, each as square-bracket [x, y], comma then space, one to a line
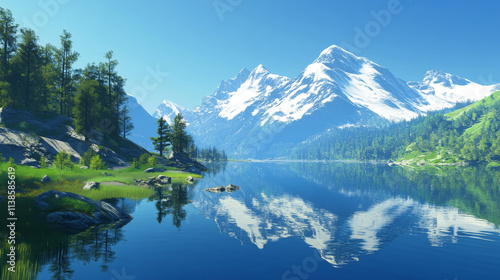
[258, 86]
[444, 90]
[168, 110]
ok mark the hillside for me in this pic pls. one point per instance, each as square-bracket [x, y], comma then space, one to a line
[465, 135]
[27, 138]
[477, 136]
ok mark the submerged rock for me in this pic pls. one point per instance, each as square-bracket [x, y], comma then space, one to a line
[76, 213]
[91, 186]
[45, 179]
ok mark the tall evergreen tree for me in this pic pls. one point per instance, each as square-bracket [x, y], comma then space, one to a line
[8, 32]
[28, 62]
[65, 58]
[125, 122]
[162, 141]
[86, 107]
[179, 138]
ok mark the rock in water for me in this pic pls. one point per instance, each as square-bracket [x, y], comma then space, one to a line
[163, 180]
[218, 189]
[45, 179]
[88, 213]
[190, 179]
[231, 188]
[91, 186]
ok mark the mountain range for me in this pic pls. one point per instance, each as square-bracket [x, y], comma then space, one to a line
[258, 114]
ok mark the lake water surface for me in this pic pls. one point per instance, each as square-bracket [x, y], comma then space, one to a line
[296, 221]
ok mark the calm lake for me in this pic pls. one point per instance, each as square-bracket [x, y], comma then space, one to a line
[293, 221]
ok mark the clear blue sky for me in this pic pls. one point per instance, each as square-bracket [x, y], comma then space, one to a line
[189, 40]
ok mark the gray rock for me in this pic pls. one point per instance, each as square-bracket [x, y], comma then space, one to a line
[190, 179]
[30, 162]
[45, 179]
[84, 167]
[152, 170]
[163, 180]
[218, 189]
[75, 221]
[91, 186]
[231, 188]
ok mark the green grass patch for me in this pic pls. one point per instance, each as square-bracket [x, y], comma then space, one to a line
[66, 180]
[67, 203]
[495, 97]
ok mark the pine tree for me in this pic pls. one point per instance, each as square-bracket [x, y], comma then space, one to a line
[8, 31]
[65, 58]
[86, 107]
[125, 122]
[28, 66]
[8, 46]
[162, 141]
[180, 138]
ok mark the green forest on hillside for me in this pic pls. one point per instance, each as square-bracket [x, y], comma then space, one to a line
[470, 134]
[43, 80]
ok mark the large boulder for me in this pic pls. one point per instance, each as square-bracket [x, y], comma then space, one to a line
[190, 179]
[75, 213]
[91, 186]
[45, 179]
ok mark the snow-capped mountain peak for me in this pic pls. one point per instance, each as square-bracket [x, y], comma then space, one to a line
[168, 110]
[446, 79]
[336, 57]
[443, 90]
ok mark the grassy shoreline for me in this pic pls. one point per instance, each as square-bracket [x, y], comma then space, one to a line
[28, 184]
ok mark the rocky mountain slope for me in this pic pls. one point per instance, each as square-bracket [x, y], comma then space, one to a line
[27, 138]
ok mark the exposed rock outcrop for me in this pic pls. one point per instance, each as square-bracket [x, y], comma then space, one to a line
[75, 213]
[25, 138]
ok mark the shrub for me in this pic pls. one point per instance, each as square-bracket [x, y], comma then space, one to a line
[97, 163]
[63, 159]
[11, 161]
[2, 159]
[135, 163]
[152, 161]
[144, 158]
[87, 157]
[43, 162]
